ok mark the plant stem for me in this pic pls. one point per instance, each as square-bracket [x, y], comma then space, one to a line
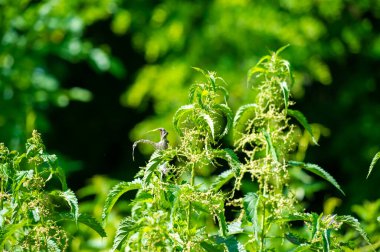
[192, 179]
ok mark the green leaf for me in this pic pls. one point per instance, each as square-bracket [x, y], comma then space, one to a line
[373, 163]
[126, 226]
[270, 145]
[85, 219]
[355, 224]
[235, 228]
[228, 114]
[70, 197]
[209, 123]
[209, 247]
[62, 178]
[303, 121]
[285, 92]
[92, 223]
[7, 232]
[295, 239]
[222, 223]
[302, 247]
[281, 49]
[231, 243]
[318, 171]
[251, 207]
[257, 70]
[116, 193]
[241, 111]
[326, 240]
[222, 179]
[178, 115]
[52, 246]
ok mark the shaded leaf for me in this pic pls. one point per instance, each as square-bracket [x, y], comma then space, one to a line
[303, 121]
[209, 247]
[7, 232]
[295, 239]
[373, 163]
[116, 193]
[231, 243]
[318, 171]
[222, 222]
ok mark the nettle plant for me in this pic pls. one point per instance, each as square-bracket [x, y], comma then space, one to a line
[35, 201]
[189, 196]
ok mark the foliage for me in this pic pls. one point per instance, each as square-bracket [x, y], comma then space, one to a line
[38, 40]
[33, 208]
[201, 180]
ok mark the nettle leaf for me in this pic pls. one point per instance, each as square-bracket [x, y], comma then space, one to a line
[210, 247]
[92, 223]
[210, 123]
[251, 207]
[295, 239]
[318, 171]
[222, 179]
[222, 223]
[235, 228]
[355, 224]
[178, 115]
[70, 197]
[228, 114]
[116, 193]
[21, 176]
[85, 219]
[270, 145]
[7, 232]
[373, 163]
[52, 246]
[241, 111]
[326, 240]
[303, 121]
[62, 178]
[126, 226]
[231, 243]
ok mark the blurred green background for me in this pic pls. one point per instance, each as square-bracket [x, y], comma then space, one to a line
[94, 76]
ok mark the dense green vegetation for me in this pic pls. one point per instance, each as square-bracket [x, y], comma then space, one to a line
[95, 76]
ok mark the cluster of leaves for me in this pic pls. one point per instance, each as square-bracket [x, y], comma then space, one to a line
[200, 180]
[33, 207]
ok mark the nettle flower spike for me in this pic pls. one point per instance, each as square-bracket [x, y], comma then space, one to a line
[163, 144]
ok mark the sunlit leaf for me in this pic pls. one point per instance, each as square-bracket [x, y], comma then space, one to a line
[326, 240]
[178, 115]
[270, 146]
[318, 171]
[210, 123]
[116, 193]
[303, 121]
[125, 227]
[251, 207]
[373, 163]
[222, 179]
[241, 110]
[355, 224]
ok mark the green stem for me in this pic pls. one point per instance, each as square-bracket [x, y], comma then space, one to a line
[192, 179]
